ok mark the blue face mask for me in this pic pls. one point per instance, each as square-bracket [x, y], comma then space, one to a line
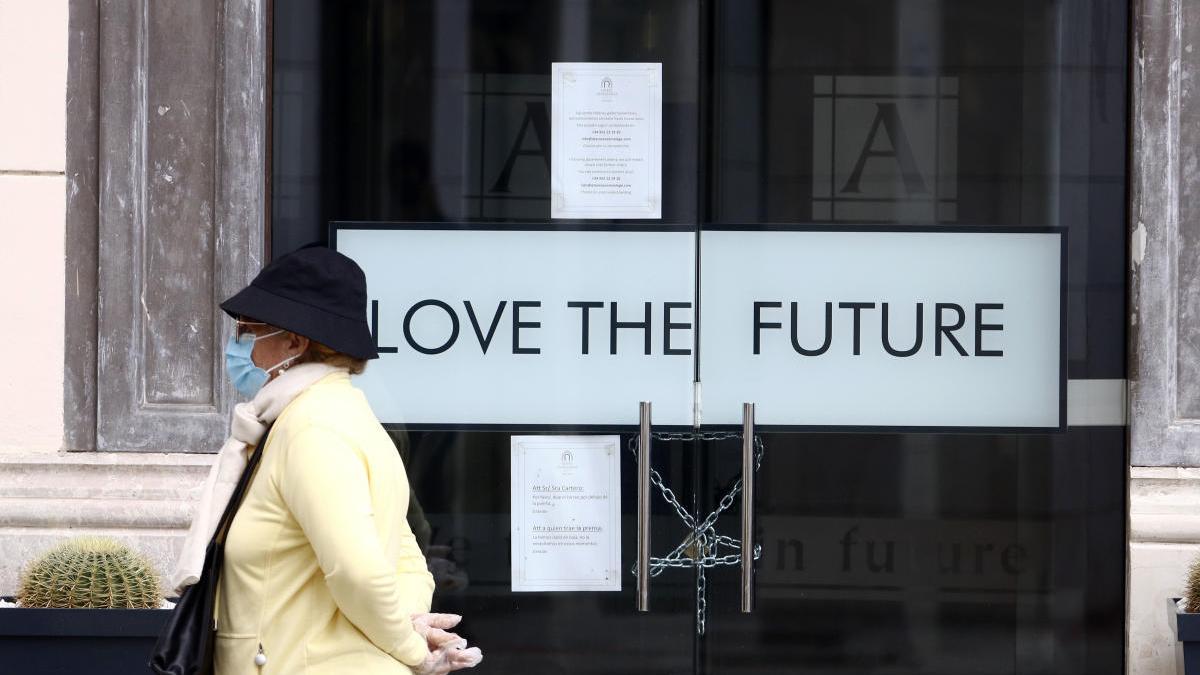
[248, 378]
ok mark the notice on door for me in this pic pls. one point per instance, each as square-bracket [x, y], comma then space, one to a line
[566, 513]
[606, 138]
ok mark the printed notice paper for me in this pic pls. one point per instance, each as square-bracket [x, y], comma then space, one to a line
[606, 140]
[566, 513]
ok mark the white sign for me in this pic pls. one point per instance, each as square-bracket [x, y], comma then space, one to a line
[606, 139]
[566, 513]
[897, 328]
[503, 327]
[883, 329]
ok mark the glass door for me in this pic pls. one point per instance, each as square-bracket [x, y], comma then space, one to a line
[434, 116]
[930, 552]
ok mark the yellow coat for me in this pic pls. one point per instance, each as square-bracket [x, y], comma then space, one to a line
[320, 566]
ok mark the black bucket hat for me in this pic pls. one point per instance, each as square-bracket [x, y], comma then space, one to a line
[315, 292]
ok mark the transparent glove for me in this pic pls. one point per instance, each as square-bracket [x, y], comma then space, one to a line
[455, 656]
[447, 651]
[435, 627]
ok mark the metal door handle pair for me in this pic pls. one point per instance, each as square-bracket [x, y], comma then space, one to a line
[643, 515]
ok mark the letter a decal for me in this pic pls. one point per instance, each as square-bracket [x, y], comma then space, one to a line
[887, 116]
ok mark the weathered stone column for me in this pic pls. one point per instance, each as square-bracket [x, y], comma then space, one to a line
[164, 202]
[1165, 321]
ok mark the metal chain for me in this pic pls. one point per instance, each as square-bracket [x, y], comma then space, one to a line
[700, 546]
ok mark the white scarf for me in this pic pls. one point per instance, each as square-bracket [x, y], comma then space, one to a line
[250, 420]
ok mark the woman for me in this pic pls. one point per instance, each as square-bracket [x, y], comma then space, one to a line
[321, 572]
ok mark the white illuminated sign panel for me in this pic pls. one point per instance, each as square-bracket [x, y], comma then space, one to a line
[867, 328]
[882, 328]
[504, 327]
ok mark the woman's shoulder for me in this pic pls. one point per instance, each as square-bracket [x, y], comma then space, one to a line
[330, 407]
[330, 397]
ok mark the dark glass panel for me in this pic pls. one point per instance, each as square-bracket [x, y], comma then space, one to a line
[921, 553]
[439, 111]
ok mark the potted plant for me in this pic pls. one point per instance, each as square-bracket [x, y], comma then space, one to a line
[1184, 617]
[88, 605]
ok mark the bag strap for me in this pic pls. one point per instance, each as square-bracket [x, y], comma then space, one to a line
[239, 492]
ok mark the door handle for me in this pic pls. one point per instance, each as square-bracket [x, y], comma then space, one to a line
[643, 506]
[747, 508]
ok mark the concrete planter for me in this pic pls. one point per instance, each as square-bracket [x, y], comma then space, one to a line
[1187, 636]
[72, 641]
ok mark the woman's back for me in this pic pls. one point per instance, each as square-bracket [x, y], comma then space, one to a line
[321, 568]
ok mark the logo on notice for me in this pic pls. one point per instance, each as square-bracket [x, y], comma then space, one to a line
[567, 457]
[606, 85]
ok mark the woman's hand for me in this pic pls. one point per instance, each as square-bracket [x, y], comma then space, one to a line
[424, 622]
[447, 651]
[444, 660]
[435, 628]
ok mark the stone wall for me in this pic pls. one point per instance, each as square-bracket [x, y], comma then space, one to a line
[142, 499]
[131, 194]
[33, 72]
[1164, 495]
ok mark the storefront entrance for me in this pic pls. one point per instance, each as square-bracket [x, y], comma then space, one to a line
[980, 548]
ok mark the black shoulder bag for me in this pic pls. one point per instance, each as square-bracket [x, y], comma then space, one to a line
[185, 645]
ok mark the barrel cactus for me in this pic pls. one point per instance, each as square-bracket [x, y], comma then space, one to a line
[1191, 594]
[90, 572]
